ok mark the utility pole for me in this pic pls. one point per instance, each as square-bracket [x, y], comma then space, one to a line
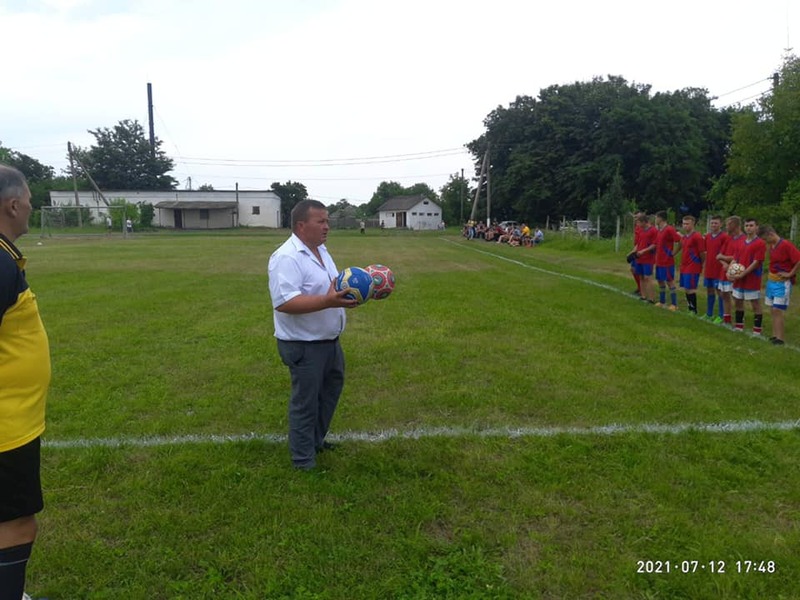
[74, 183]
[150, 119]
[461, 195]
[488, 186]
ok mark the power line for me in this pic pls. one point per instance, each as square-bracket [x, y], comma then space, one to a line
[743, 87]
[326, 162]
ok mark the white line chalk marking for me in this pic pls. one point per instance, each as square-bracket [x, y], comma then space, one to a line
[434, 432]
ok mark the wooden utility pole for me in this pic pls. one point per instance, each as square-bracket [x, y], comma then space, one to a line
[488, 187]
[478, 189]
[461, 195]
[74, 183]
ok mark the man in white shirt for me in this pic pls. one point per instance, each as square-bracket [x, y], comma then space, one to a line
[309, 316]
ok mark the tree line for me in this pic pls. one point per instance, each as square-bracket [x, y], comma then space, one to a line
[593, 148]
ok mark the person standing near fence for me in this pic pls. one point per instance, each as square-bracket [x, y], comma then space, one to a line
[715, 241]
[692, 252]
[24, 380]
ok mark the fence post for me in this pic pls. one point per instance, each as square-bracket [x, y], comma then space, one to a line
[616, 243]
[793, 232]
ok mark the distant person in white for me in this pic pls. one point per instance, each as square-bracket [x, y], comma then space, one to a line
[309, 316]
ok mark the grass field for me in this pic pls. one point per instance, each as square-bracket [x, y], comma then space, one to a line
[476, 460]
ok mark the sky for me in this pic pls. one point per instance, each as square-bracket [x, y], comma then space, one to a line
[341, 95]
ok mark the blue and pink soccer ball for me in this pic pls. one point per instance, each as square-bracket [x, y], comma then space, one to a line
[375, 281]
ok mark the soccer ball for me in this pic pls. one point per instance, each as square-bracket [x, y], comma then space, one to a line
[735, 269]
[358, 283]
[382, 281]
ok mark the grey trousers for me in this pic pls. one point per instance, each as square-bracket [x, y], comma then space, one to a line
[317, 374]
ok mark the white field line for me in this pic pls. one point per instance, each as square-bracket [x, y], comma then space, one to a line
[434, 432]
[610, 288]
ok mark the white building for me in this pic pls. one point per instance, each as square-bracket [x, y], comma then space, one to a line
[189, 209]
[410, 212]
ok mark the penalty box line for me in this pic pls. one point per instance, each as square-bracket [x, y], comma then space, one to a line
[604, 286]
[435, 432]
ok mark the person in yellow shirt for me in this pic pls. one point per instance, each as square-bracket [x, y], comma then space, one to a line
[24, 379]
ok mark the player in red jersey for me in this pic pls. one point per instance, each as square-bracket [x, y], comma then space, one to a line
[645, 252]
[665, 260]
[733, 225]
[715, 241]
[747, 284]
[632, 255]
[692, 254]
[784, 260]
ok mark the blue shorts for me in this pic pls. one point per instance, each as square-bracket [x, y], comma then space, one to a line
[689, 281]
[710, 282]
[644, 270]
[777, 294]
[665, 273]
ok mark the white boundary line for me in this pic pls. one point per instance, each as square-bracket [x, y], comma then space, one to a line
[434, 432]
[605, 286]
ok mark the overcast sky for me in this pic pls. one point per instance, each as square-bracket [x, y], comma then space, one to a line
[343, 94]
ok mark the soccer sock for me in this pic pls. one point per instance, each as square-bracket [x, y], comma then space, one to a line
[13, 562]
[757, 324]
[739, 319]
[638, 282]
[691, 300]
[673, 296]
[722, 307]
[710, 300]
[662, 295]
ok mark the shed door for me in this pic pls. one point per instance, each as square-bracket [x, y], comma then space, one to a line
[400, 220]
[178, 218]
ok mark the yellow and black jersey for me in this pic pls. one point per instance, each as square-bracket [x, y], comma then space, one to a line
[24, 354]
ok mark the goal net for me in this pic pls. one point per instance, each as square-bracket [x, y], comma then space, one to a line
[83, 220]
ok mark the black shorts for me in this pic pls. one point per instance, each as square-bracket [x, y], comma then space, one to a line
[20, 483]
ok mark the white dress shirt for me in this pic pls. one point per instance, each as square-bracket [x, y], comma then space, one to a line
[294, 270]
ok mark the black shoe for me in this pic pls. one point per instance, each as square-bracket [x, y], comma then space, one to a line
[778, 342]
[330, 446]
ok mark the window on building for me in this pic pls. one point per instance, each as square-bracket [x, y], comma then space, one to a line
[256, 210]
[413, 214]
[424, 201]
[204, 214]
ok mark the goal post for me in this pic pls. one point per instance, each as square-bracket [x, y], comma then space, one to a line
[82, 220]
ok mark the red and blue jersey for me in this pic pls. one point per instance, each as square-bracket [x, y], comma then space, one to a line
[715, 244]
[665, 245]
[692, 248]
[731, 248]
[783, 256]
[747, 253]
[647, 238]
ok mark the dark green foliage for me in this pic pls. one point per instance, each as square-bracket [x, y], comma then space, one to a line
[122, 159]
[553, 154]
[290, 194]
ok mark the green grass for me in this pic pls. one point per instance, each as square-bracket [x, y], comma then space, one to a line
[171, 335]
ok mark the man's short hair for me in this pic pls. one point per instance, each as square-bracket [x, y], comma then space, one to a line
[716, 218]
[12, 183]
[642, 218]
[689, 218]
[662, 214]
[765, 230]
[751, 220]
[302, 208]
[736, 220]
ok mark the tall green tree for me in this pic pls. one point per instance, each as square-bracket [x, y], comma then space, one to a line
[763, 167]
[122, 159]
[456, 200]
[40, 176]
[550, 155]
[386, 190]
[290, 194]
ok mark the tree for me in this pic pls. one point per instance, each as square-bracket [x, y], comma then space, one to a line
[290, 194]
[206, 187]
[609, 206]
[390, 189]
[456, 200]
[39, 175]
[123, 159]
[763, 167]
[124, 210]
[549, 155]
[386, 190]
